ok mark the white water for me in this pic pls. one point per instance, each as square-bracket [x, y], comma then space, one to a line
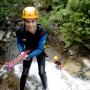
[57, 79]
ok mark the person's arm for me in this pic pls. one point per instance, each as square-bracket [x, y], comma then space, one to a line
[20, 44]
[39, 48]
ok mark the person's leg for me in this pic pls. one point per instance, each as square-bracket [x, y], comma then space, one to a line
[26, 66]
[41, 68]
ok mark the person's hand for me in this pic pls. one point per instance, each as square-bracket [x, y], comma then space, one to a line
[27, 59]
[10, 65]
[25, 56]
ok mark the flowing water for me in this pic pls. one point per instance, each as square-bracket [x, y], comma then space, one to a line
[57, 79]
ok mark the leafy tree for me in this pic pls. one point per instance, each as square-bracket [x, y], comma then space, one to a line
[77, 27]
[73, 20]
[12, 8]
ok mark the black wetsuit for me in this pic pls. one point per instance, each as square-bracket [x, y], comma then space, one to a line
[35, 43]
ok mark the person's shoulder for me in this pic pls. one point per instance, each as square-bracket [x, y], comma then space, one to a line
[19, 29]
[41, 27]
[42, 30]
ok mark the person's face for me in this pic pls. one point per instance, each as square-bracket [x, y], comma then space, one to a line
[31, 25]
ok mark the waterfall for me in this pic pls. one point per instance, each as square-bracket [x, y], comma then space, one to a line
[57, 79]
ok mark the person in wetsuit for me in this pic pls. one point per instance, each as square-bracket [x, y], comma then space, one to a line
[32, 36]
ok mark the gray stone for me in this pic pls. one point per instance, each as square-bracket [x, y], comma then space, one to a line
[1, 34]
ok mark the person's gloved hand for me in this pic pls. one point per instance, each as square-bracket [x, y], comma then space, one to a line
[10, 65]
[28, 59]
[25, 56]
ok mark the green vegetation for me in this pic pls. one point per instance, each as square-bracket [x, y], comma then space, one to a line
[73, 19]
[12, 8]
[71, 16]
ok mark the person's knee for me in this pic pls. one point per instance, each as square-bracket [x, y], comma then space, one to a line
[42, 74]
[25, 72]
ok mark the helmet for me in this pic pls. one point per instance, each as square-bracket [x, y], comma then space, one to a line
[55, 58]
[30, 12]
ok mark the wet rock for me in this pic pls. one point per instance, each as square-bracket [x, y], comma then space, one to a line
[10, 82]
[86, 62]
[87, 74]
[84, 72]
[2, 33]
[7, 36]
[72, 68]
[73, 50]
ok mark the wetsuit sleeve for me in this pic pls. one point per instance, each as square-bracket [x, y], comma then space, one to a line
[20, 44]
[39, 48]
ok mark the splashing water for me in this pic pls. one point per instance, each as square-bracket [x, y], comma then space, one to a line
[57, 79]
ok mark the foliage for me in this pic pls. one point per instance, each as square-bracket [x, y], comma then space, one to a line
[76, 28]
[43, 21]
[73, 18]
[12, 8]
